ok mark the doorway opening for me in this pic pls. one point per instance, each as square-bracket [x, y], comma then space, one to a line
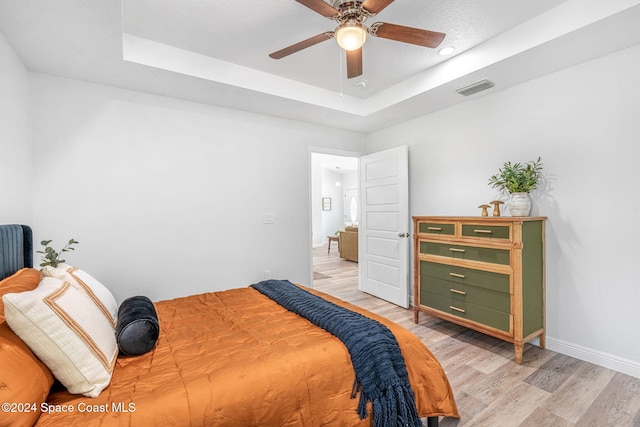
[381, 225]
[334, 210]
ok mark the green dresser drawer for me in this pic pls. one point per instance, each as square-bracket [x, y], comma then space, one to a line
[495, 256]
[461, 275]
[486, 231]
[436, 228]
[476, 313]
[499, 301]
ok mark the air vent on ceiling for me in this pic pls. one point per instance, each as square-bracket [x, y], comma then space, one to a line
[475, 87]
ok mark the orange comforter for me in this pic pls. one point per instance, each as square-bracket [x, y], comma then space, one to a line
[236, 358]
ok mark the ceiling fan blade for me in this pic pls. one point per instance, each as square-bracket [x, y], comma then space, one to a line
[321, 7]
[302, 45]
[354, 63]
[407, 34]
[375, 6]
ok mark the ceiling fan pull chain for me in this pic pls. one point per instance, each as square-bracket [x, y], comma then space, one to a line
[340, 75]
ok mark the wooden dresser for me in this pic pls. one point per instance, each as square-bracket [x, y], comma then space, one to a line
[485, 273]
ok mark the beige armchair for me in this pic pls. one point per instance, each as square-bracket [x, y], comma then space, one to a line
[349, 244]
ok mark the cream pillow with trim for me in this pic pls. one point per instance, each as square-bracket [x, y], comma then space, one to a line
[95, 290]
[65, 328]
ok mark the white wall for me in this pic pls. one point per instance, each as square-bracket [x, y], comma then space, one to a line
[350, 181]
[15, 139]
[317, 234]
[167, 197]
[323, 184]
[585, 123]
[332, 220]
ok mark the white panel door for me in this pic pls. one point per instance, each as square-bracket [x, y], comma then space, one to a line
[384, 225]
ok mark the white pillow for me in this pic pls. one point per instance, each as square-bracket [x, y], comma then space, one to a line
[67, 331]
[84, 281]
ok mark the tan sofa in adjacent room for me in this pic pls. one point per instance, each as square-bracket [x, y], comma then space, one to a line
[349, 244]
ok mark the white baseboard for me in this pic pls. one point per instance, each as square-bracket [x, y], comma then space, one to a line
[599, 358]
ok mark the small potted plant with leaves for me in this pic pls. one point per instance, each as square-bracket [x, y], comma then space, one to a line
[518, 179]
[51, 258]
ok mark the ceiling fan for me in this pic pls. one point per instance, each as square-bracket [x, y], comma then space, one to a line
[351, 33]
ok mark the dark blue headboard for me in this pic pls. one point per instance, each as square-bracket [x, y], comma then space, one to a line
[16, 248]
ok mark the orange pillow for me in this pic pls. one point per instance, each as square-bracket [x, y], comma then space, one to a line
[25, 380]
[26, 279]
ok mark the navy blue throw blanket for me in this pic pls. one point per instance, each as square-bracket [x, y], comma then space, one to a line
[381, 375]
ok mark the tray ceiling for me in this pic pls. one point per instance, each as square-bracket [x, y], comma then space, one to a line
[217, 52]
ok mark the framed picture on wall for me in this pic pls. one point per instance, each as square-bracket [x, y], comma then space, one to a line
[326, 203]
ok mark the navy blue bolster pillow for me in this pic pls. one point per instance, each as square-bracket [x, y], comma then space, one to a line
[138, 328]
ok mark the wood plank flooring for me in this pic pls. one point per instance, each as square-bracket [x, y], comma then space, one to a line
[548, 390]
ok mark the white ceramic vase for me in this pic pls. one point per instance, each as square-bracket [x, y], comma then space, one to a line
[520, 204]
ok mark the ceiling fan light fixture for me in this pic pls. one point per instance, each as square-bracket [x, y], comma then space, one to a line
[351, 35]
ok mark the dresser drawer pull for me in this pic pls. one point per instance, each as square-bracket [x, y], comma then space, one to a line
[457, 309]
[455, 291]
[456, 250]
[483, 231]
[434, 228]
[457, 275]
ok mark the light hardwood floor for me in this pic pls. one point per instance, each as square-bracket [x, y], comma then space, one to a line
[548, 390]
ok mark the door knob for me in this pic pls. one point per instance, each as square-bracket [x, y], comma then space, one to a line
[401, 235]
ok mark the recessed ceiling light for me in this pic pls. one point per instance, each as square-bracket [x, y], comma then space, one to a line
[446, 50]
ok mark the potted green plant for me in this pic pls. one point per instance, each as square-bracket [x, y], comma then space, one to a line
[51, 257]
[518, 179]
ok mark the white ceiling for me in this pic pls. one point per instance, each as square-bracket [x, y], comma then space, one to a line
[338, 164]
[217, 52]
[245, 32]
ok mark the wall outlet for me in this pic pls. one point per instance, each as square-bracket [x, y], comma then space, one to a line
[267, 274]
[269, 218]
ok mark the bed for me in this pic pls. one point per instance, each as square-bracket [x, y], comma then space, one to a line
[229, 358]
